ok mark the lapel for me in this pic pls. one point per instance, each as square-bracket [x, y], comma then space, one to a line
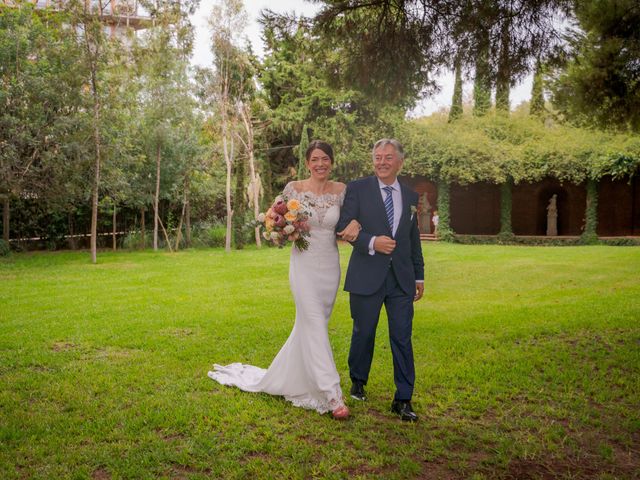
[378, 204]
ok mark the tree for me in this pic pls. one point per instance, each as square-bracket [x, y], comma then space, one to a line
[166, 102]
[598, 84]
[231, 81]
[496, 38]
[300, 96]
[86, 18]
[537, 92]
[302, 150]
[254, 189]
[39, 81]
[456, 101]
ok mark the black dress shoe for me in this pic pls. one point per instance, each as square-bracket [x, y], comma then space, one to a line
[404, 410]
[357, 391]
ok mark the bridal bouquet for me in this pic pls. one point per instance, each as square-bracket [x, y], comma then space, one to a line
[286, 221]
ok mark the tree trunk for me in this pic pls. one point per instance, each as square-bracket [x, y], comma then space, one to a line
[96, 186]
[93, 57]
[254, 180]
[143, 227]
[166, 236]
[6, 217]
[73, 245]
[187, 214]
[113, 231]
[239, 205]
[456, 101]
[302, 150]
[229, 163]
[179, 230]
[506, 231]
[156, 197]
[590, 235]
[444, 231]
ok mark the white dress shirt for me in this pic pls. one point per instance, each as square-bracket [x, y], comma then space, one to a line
[396, 195]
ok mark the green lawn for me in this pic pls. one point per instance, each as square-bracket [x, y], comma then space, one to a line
[527, 359]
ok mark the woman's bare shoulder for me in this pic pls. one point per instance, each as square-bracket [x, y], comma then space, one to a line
[296, 185]
[337, 188]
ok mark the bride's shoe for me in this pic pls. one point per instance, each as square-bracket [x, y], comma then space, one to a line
[340, 413]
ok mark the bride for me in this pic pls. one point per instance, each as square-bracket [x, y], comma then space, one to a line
[304, 371]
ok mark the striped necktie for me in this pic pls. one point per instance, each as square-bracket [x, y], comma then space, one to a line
[388, 205]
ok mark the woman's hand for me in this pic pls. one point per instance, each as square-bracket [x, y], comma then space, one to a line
[351, 232]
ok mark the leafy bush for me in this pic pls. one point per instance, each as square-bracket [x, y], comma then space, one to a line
[133, 240]
[621, 242]
[209, 234]
[5, 249]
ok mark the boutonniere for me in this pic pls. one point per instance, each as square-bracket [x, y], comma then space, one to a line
[414, 209]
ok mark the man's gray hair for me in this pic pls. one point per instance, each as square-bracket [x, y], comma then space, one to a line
[383, 142]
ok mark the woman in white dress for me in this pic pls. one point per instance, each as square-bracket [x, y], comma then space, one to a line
[304, 371]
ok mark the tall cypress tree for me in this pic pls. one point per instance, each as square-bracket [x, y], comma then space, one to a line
[456, 101]
[536, 106]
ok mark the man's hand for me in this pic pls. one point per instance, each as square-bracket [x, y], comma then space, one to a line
[419, 291]
[384, 244]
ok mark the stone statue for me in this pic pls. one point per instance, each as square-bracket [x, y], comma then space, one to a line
[552, 217]
[424, 217]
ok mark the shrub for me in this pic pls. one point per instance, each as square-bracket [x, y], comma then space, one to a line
[209, 234]
[5, 248]
[133, 240]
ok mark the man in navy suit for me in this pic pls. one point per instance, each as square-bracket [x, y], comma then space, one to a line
[386, 267]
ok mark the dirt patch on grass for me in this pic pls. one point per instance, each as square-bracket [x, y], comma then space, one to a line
[551, 469]
[183, 472]
[101, 474]
[438, 470]
[178, 332]
[63, 346]
[313, 440]
[168, 436]
[113, 353]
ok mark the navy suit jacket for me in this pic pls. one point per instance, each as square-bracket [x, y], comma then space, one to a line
[366, 273]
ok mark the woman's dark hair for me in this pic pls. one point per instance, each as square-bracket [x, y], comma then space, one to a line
[324, 146]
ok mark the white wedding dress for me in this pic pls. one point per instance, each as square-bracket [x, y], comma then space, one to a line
[304, 371]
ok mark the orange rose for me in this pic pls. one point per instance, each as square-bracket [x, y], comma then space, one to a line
[293, 204]
[290, 217]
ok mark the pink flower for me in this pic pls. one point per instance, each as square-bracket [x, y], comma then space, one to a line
[301, 225]
[280, 221]
[280, 206]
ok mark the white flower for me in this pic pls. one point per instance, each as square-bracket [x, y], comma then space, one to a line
[289, 229]
[266, 235]
[261, 217]
[275, 235]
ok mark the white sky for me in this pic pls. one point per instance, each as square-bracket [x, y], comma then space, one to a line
[202, 55]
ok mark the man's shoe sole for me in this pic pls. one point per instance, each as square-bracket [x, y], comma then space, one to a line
[360, 399]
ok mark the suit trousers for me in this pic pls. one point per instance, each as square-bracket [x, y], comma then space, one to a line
[365, 312]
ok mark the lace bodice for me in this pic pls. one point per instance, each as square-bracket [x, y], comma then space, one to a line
[318, 204]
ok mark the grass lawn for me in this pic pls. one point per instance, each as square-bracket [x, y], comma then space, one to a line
[527, 363]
